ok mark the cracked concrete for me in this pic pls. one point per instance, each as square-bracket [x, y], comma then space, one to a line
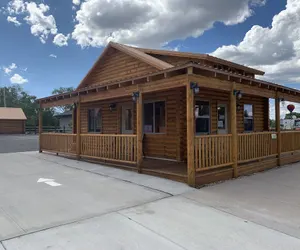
[99, 207]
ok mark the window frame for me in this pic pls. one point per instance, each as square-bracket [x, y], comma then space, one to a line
[153, 105]
[88, 119]
[252, 118]
[209, 118]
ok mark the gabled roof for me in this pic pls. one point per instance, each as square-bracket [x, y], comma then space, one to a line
[203, 57]
[131, 51]
[12, 114]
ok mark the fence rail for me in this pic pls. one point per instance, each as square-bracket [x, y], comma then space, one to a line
[290, 141]
[253, 146]
[121, 148]
[47, 129]
[59, 143]
[213, 151]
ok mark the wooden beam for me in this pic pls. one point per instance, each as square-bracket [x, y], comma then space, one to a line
[40, 128]
[190, 123]
[233, 125]
[139, 131]
[278, 130]
[60, 102]
[78, 130]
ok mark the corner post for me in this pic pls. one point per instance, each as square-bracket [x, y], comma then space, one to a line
[139, 131]
[40, 128]
[78, 130]
[278, 130]
[234, 134]
[190, 127]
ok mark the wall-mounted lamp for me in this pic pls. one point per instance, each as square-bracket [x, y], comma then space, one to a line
[135, 96]
[112, 106]
[194, 86]
[238, 94]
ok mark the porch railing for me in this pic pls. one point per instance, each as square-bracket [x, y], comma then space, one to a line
[255, 146]
[121, 148]
[290, 141]
[213, 151]
[59, 143]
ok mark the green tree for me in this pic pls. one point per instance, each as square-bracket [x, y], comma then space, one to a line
[290, 115]
[62, 90]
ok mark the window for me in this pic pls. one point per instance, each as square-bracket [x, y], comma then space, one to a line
[248, 117]
[94, 120]
[203, 119]
[155, 117]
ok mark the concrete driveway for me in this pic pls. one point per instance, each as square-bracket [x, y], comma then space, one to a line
[79, 205]
[18, 143]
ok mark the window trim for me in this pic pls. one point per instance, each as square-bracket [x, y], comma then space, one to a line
[252, 118]
[210, 115]
[101, 123]
[153, 101]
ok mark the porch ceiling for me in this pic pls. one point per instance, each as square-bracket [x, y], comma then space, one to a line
[204, 75]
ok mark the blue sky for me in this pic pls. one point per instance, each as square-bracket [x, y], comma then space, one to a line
[43, 73]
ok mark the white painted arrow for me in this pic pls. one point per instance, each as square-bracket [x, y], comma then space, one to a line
[49, 182]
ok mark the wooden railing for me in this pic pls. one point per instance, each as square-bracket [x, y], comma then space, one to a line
[121, 148]
[58, 143]
[213, 151]
[290, 141]
[255, 146]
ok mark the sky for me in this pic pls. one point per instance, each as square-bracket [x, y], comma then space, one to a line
[46, 44]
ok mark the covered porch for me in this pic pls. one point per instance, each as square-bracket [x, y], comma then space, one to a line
[178, 148]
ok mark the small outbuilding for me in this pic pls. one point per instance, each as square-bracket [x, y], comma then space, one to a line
[12, 121]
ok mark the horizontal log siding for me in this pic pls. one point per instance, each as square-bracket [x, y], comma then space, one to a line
[167, 145]
[12, 127]
[117, 65]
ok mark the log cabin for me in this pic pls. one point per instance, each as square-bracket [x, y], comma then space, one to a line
[12, 121]
[188, 117]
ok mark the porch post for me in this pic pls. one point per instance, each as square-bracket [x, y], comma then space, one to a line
[277, 114]
[190, 127]
[234, 134]
[40, 128]
[78, 130]
[139, 131]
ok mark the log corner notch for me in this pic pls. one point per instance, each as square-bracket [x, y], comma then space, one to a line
[40, 128]
[190, 122]
[78, 130]
[139, 129]
[234, 134]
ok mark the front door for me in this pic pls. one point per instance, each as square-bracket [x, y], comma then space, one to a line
[222, 119]
[126, 119]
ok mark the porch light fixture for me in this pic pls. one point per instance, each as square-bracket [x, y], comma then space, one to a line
[194, 86]
[112, 106]
[238, 94]
[135, 96]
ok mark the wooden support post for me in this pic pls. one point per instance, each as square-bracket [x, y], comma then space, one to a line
[234, 132]
[139, 131]
[190, 126]
[78, 130]
[277, 115]
[40, 128]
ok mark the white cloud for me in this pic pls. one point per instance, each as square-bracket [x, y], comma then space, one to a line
[53, 56]
[76, 2]
[16, 7]
[14, 20]
[274, 49]
[16, 78]
[61, 40]
[41, 24]
[153, 23]
[283, 109]
[9, 69]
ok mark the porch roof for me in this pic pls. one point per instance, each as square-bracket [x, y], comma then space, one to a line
[71, 97]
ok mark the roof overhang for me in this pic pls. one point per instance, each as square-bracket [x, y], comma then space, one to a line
[73, 97]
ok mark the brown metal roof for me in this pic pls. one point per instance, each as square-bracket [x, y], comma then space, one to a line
[201, 56]
[12, 114]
